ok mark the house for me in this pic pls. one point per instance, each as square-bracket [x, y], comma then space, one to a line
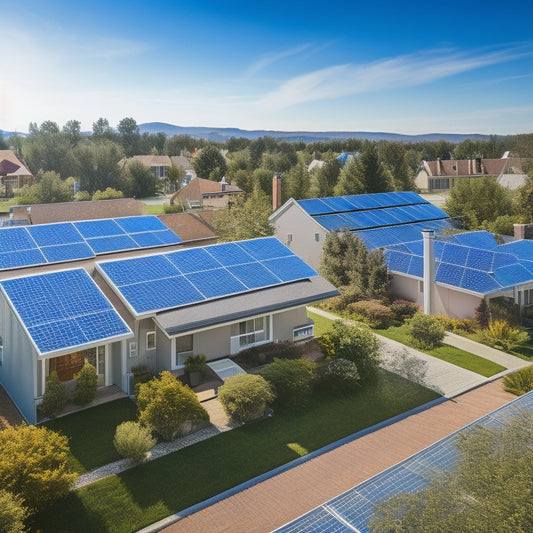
[181, 161]
[13, 174]
[442, 175]
[206, 193]
[158, 164]
[303, 224]
[125, 292]
[346, 157]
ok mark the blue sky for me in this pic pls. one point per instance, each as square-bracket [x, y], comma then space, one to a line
[407, 67]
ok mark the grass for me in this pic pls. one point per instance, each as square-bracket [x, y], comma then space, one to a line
[91, 433]
[447, 353]
[5, 205]
[150, 209]
[321, 323]
[149, 492]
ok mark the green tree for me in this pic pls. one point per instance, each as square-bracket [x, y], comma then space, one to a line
[137, 180]
[291, 380]
[50, 188]
[296, 183]
[165, 405]
[354, 343]
[86, 384]
[209, 163]
[357, 273]
[34, 465]
[477, 200]
[107, 194]
[328, 176]
[246, 218]
[351, 179]
[245, 396]
[102, 130]
[55, 395]
[12, 513]
[175, 176]
[491, 489]
[129, 136]
[394, 158]
[72, 129]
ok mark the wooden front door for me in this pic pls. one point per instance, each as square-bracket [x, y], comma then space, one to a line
[67, 365]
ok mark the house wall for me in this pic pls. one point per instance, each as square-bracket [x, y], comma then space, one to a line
[18, 370]
[293, 221]
[421, 180]
[284, 323]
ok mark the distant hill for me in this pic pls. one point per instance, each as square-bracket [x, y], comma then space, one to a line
[8, 133]
[223, 134]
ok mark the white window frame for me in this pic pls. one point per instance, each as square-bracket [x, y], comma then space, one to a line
[1, 350]
[151, 345]
[132, 350]
[266, 332]
[175, 363]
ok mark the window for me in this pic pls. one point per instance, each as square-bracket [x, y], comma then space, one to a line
[1, 350]
[132, 352]
[289, 238]
[317, 237]
[150, 340]
[420, 286]
[250, 332]
[183, 349]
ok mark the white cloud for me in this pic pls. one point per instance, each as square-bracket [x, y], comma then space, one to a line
[394, 73]
[268, 59]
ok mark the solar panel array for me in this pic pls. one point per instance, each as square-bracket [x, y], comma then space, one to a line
[364, 211]
[352, 510]
[67, 241]
[63, 310]
[165, 281]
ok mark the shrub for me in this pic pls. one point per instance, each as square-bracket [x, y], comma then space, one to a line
[482, 314]
[403, 309]
[86, 383]
[141, 374]
[54, 397]
[195, 363]
[133, 440]
[355, 343]
[372, 312]
[291, 380]
[245, 396]
[503, 335]
[425, 331]
[458, 324]
[519, 382]
[172, 208]
[340, 376]
[165, 405]
[34, 465]
[265, 353]
[12, 512]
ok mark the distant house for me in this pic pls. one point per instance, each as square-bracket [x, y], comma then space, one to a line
[158, 164]
[316, 163]
[13, 174]
[206, 193]
[442, 175]
[346, 157]
[184, 162]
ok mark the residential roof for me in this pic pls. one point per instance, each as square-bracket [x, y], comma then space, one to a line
[240, 306]
[199, 187]
[189, 227]
[153, 160]
[71, 211]
[181, 161]
[467, 167]
[20, 170]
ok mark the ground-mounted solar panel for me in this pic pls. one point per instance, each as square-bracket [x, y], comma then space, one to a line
[64, 310]
[98, 228]
[216, 283]
[315, 206]
[67, 252]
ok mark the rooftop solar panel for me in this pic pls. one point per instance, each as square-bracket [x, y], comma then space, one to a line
[333, 222]
[66, 252]
[289, 268]
[267, 248]
[52, 234]
[454, 254]
[478, 239]
[480, 259]
[102, 245]
[449, 274]
[511, 275]
[397, 261]
[478, 281]
[193, 260]
[21, 258]
[523, 249]
[231, 253]
[363, 201]
[338, 204]
[148, 239]
[215, 283]
[13, 239]
[315, 206]
[254, 275]
[416, 267]
[99, 228]
[63, 310]
[141, 269]
[140, 224]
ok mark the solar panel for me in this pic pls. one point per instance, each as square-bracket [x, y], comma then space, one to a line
[454, 254]
[52, 234]
[13, 239]
[21, 258]
[478, 239]
[478, 281]
[140, 224]
[98, 228]
[267, 248]
[512, 275]
[254, 275]
[230, 254]
[289, 268]
[102, 245]
[363, 201]
[67, 252]
[338, 204]
[449, 274]
[333, 222]
[149, 239]
[193, 260]
[315, 206]
[63, 310]
[215, 283]
[141, 269]
[480, 259]
[398, 261]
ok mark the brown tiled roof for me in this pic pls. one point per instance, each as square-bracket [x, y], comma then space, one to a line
[188, 227]
[206, 216]
[69, 211]
[150, 160]
[467, 167]
[8, 167]
[198, 187]
[9, 155]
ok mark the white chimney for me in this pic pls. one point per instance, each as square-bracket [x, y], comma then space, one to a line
[429, 267]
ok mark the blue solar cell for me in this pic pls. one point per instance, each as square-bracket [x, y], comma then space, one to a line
[333, 222]
[362, 201]
[385, 217]
[415, 247]
[338, 204]
[289, 268]
[501, 259]
[67, 252]
[449, 274]
[416, 266]
[98, 228]
[139, 269]
[454, 254]
[161, 294]
[511, 275]
[52, 234]
[360, 220]
[406, 213]
[57, 335]
[13, 239]
[21, 258]
[102, 245]
[193, 260]
[267, 248]
[397, 261]
[480, 259]
[478, 281]
[254, 275]
[104, 324]
[140, 224]
[315, 206]
[478, 239]
[167, 236]
[523, 249]
[230, 254]
[215, 283]
[155, 238]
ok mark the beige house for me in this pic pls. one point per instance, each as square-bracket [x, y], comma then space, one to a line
[13, 173]
[206, 193]
[442, 175]
[158, 164]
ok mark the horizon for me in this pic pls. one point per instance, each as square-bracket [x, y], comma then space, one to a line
[283, 67]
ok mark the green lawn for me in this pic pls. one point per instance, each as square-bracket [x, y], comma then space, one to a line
[91, 433]
[150, 209]
[5, 205]
[152, 491]
[321, 323]
[447, 353]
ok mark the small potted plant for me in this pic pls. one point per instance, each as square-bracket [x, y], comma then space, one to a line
[194, 366]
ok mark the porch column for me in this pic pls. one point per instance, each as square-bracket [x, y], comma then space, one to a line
[43, 377]
[108, 370]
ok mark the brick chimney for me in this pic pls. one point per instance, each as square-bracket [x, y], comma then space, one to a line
[276, 191]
